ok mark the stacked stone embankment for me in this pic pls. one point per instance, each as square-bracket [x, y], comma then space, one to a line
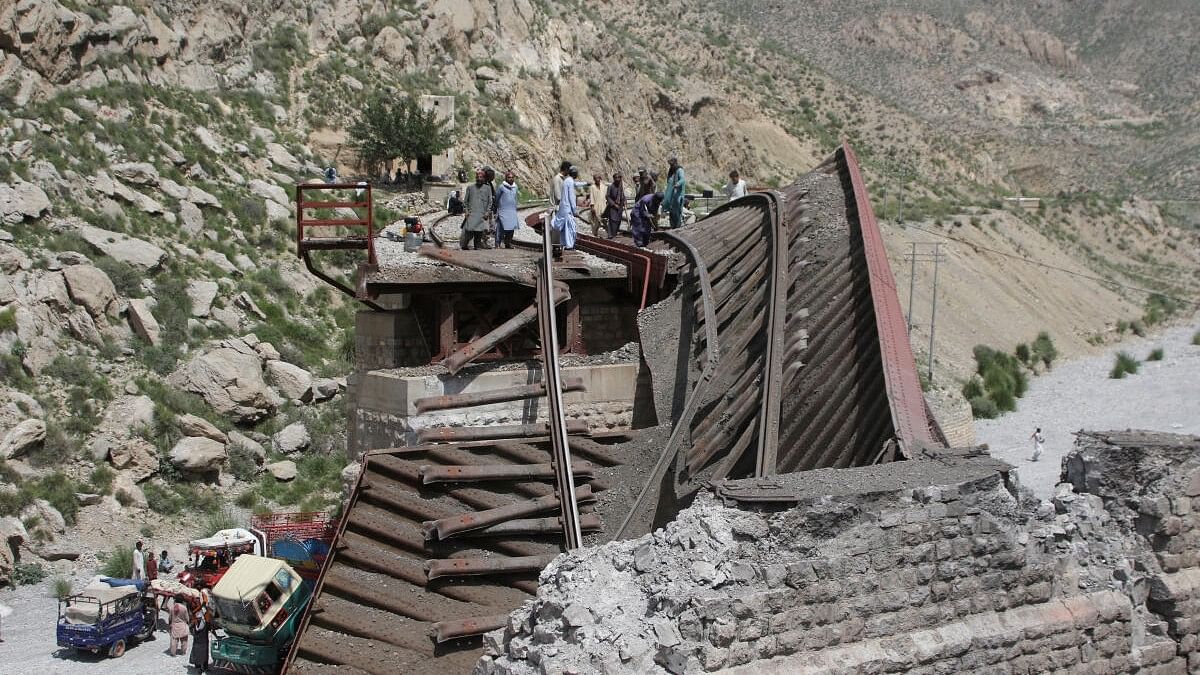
[931, 566]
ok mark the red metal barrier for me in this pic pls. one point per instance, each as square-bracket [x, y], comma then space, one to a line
[899, 367]
[306, 243]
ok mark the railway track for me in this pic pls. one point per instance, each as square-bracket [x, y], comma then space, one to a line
[792, 356]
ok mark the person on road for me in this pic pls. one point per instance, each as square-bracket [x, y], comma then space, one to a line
[673, 196]
[139, 563]
[454, 204]
[165, 564]
[643, 218]
[736, 187]
[614, 209]
[568, 209]
[1038, 443]
[179, 625]
[200, 627]
[480, 197]
[645, 185]
[151, 567]
[506, 211]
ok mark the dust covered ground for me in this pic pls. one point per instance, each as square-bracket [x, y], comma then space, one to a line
[1078, 394]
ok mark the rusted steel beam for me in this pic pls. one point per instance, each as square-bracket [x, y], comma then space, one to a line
[899, 367]
[485, 343]
[474, 520]
[460, 258]
[489, 472]
[589, 522]
[496, 432]
[444, 631]
[768, 418]
[470, 567]
[449, 401]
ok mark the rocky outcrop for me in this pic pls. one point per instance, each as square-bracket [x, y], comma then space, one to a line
[142, 320]
[137, 252]
[22, 201]
[202, 294]
[12, 536]
[282, 471]
[294, 382]
[90, 287]
[292, 438]
[191, 425]
[22, 438]
[136, 456]
[196, 454]
[230, 379]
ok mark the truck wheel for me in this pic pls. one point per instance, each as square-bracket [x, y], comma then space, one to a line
[117, 650]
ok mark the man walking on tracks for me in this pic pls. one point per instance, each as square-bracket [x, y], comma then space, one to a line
[506, 211]
[614, 209]
[478, 204]
[673, 196]
[568, 209]
[596, 195]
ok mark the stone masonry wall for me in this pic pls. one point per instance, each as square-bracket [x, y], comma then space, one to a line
[932, 566]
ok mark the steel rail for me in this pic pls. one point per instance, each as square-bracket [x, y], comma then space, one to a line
[768, 420]
[471, 399]
[713, 352]
[552, 377]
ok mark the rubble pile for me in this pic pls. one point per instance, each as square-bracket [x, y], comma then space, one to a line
[937, 565]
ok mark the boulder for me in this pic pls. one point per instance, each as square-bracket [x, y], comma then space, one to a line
[284, 471]
[48, 517]
[90, 287]
[22, 438]
[191, 425]
[221, 262]
[230, 381]
[276, 211]
[51, 289]
[136, 456]
[58, 552]
[292, 438]
[131, 250]
[83, 327]
[267, 351]
[350, 474]
[87, 498]
[13, 259]
[269, 191]
[244, 262]
[247, 303]
[197, 454]
[324, 389]
[250, 445]
[12, 536]
[126, 490]
[138, 173]
[143, 322]
[202, 295]
[21, 201]
[280, 157]
[208, 140]
[294, 382]
[173, 189]
[191, 219]
[201, 198]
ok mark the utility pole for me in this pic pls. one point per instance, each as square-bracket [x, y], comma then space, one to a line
[937, 262]
[912, 282]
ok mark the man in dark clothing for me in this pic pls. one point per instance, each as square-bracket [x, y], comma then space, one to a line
[644, 185]
[479, 203]
[614, 208]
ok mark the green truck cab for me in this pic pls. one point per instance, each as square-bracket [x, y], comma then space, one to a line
[258, 603]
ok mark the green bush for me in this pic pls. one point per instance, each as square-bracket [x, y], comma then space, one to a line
[1044, 349]
[1159, 308]
[1196, 338]
[247, 499]
[26, 574]
[1124, 365]
[984, 408]
[61, 588]
[1022, 353]
[118, 562]
[102, 479]
[1155, 354]
[126, 278]
[242, 463]
[1138, 328]
[1000, 380]
[8, 320]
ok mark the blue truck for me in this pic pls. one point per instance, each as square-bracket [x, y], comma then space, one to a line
[105, 620]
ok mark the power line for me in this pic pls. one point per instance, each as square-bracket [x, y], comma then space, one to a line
[1064, 270]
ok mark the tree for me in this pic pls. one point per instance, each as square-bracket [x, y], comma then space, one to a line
[396, 128]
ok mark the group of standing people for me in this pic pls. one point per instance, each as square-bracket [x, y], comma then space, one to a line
[189, 617]
[488, 207]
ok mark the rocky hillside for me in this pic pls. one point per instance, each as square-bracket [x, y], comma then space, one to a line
[162, 352]
[1060, 95]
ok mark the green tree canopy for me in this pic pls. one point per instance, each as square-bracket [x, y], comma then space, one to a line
[396, 128]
